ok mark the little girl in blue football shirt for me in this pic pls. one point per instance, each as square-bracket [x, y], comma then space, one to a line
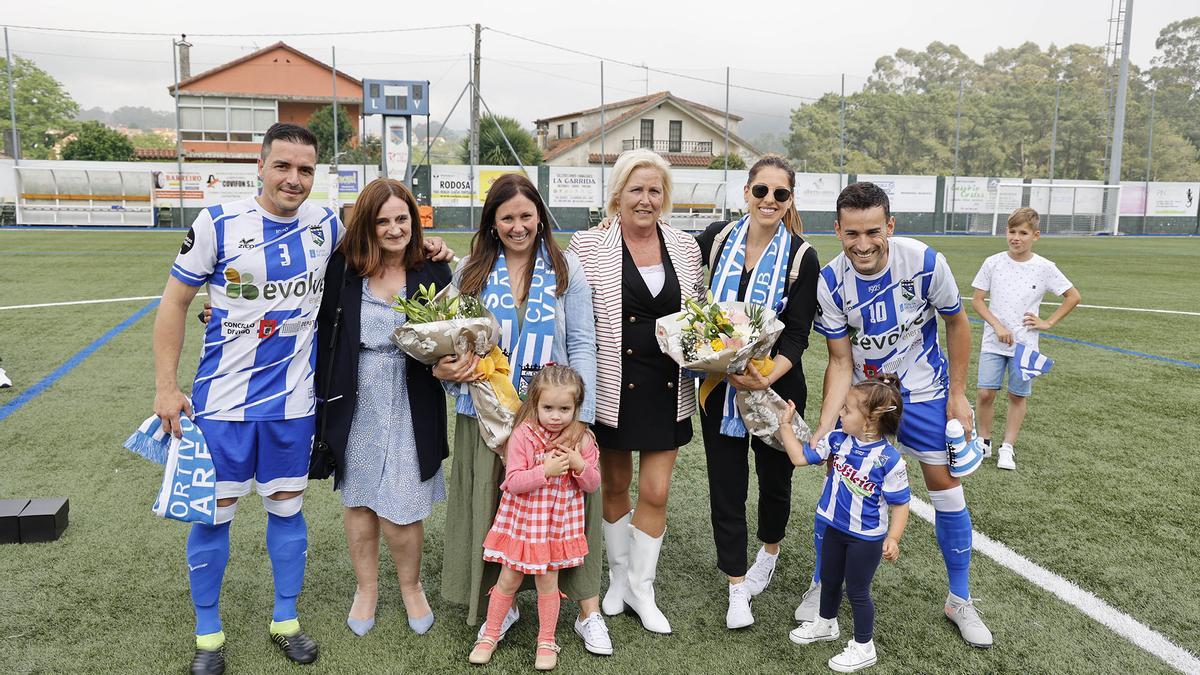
[866, 475]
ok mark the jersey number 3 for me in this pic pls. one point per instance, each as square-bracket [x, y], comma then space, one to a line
[285, 258]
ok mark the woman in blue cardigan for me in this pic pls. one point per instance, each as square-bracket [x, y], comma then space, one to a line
[385, 412]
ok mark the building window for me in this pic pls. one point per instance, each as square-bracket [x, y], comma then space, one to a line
[648, 134]
[560, 131]
[224, 119]
[574, 129]
[675, 142]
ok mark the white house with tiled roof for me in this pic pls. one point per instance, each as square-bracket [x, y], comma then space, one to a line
[685, 133]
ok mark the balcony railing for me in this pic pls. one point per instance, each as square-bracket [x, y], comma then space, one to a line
[684, 147]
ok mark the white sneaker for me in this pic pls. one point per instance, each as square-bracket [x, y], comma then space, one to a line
[856, 656]
[5, 383]
[509, 620]
[809, 604]
[739, 615]
[595, 636]
[962, 613]
[760, 573]
[815, 631]
[987, 449]
[1006, 461]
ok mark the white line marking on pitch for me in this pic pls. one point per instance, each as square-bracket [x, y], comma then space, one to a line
[87, 302]
[1121, 309]
[1119, 622]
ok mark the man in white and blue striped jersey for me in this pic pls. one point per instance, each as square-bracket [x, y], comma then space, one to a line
[878, 303]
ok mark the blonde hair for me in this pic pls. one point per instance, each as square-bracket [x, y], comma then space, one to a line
[1025, 216]
[551, 375]
[630, 161]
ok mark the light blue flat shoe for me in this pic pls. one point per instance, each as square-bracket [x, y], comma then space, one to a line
[360, 627]
[422, 625]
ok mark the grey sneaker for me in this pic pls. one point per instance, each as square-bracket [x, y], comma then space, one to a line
[761, 572]
[509, 620]
[962, 613]
[809, 604]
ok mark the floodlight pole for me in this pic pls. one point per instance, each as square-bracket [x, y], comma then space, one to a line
[333, 63]
[957, 128]
[178, 133]
[1150, 143]
[842, 135]
[1114, 166]
[12, 102]
[725, 177]
[603, 156]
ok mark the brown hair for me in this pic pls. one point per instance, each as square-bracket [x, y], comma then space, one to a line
[882, 403]
[791, 217]
[485, 245]
[361, 246]
[551, 375]
[1025, 216]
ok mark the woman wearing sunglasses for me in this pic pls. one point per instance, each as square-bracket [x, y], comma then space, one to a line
[761, 258]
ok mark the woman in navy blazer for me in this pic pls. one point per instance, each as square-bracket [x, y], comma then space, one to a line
[385, 413]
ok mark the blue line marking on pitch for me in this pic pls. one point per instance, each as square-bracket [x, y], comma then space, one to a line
[1119, 350]
[27, 395]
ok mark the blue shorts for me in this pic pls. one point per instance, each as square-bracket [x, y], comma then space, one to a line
[269, 456]
[991, 374]
[922, 432]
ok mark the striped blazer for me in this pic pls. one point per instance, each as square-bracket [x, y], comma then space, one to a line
[600, 253]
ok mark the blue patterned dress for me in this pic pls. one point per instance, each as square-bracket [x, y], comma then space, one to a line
[382, 472]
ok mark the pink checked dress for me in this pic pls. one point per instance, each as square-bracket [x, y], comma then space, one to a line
[539, 525]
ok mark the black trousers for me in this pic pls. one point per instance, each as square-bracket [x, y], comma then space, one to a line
[728, 487]
[853, 560]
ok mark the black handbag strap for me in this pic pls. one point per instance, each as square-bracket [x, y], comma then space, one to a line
[337, 322]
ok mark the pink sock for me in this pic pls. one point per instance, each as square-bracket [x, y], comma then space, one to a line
[548, 605]
[498, 605]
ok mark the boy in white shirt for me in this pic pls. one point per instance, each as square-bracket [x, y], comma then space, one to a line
[1017, 280]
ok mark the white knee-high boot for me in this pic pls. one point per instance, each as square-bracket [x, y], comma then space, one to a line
[643, 567]
[616, 545]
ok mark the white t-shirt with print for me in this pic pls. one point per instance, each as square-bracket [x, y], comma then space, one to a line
[1016, 288]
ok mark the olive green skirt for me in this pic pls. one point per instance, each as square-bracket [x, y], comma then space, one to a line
[474, 495]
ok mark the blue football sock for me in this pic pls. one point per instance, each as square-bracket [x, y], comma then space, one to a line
[818, 535]
[954, 538]
[287, 545]
[207, 555]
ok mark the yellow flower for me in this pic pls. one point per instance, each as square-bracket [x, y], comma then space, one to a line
[717, 345]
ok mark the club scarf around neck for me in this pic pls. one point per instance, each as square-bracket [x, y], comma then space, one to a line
[529, 344]
[767, 287]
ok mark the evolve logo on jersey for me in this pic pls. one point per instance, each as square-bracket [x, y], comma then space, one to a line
[890, 318]
[258, 356]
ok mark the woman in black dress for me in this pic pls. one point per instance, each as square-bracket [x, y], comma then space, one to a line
[643, 401]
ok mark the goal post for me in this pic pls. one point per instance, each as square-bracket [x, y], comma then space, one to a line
[1066, 208]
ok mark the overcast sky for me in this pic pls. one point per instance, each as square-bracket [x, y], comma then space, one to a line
[797, 49]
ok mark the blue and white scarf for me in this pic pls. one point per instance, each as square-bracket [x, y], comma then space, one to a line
[529, 348]
[188, 491]
[1031, 362]
[767, 287]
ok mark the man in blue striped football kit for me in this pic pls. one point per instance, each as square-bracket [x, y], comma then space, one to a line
[878, 303]
[263, 259]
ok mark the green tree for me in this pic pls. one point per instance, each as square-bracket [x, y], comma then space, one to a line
[735, 161]
[151, 141]
[370, 151]
[45, 111]
[95, 141]
[492, 148]
[321, 124]
[1175, 76]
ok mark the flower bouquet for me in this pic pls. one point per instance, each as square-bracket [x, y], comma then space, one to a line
[445, 323]
[719, 338]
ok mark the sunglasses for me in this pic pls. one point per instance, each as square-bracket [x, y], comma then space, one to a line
[781, 194]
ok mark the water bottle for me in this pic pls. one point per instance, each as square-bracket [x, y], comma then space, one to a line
[964, 457]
